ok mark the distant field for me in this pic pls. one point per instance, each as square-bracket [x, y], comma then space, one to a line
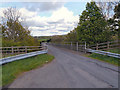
[10, 71]
[43, 38]
[40, 40]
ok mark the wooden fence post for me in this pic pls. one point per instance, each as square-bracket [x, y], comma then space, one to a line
[85, 47]
[77, 46]
[25, 49]
[97, 46]
[107, 45]
[12, 50]
[18, 50]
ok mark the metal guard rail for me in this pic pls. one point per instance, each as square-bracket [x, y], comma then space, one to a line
[104, 53]
[21, 56]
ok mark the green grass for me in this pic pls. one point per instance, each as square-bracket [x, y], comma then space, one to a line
[114, 51]
[10, 71]
[105, 58]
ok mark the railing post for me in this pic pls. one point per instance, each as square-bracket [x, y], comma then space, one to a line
[107, 45]
[97, 46]
[71, 45]
[12, 50]
[85, 47]
[77, 46]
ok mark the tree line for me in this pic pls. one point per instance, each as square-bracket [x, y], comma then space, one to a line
[95, 24]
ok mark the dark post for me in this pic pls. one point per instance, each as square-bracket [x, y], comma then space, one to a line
[77, 46]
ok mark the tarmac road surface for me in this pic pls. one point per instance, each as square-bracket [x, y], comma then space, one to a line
[69, 70]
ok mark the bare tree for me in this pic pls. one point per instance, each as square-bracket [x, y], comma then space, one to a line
[107, 8]
[11, 17]
[11, 14]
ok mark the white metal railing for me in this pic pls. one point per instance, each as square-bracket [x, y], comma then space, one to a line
[21, 56]
[104, 53]
[82, 47]
[40, 50]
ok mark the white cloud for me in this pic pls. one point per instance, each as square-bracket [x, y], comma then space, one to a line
[64, 13]
[60, 22]
[27, 14]
[1, 12]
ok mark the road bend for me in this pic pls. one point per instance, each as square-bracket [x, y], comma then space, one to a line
[69, 70]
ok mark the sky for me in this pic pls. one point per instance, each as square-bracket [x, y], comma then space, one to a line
[47, 18]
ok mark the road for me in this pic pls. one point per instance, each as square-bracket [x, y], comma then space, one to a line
[69, 70]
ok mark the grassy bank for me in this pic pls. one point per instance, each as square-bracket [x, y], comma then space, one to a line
[11, 70]
[114, 50]
[111, 60]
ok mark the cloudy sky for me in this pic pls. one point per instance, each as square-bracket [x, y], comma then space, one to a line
[48, 18]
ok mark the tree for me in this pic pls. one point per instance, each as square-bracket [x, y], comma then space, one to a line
[0, 35]
[117, 19]
[14, 34]
[72, 36]
[57, 38]
[11, 21]
[107, 8]
[92, 26]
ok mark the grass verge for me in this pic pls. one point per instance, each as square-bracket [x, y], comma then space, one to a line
[111, 60]
[9, 55]
[114, 51]
[10, 71]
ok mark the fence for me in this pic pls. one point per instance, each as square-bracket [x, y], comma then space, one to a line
[83, 47]
[77, 46]
[8, 51]
[104, 53]
[28, 51]
[21, 56]
[105, 46]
